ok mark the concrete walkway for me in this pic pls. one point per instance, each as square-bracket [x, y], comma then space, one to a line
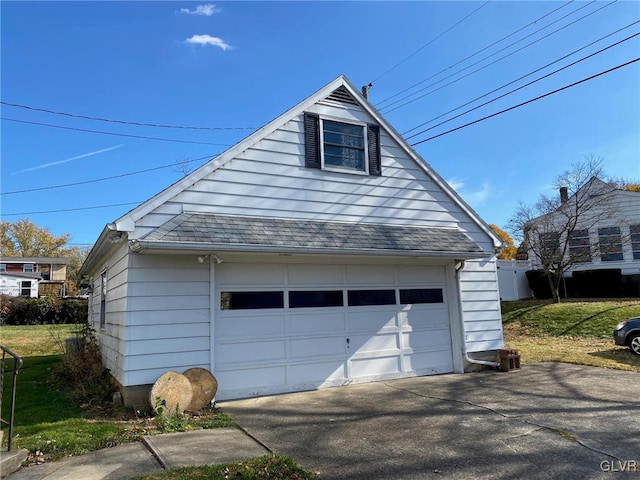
[154, 454]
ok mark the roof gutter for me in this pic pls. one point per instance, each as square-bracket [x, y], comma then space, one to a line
[145, 246]
[109, 236]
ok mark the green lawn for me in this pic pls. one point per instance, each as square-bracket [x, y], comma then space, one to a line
[49, 421]
[573, 331]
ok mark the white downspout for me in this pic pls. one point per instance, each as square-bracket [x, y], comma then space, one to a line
[459, 266]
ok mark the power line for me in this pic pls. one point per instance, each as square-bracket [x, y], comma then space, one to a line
[488, 64]
[123, 122]
[102, 179]
[528, 101]
[70, 209]
[518, 79]
[429, 42]
[479, 51]
[522, 86]
[160, 139]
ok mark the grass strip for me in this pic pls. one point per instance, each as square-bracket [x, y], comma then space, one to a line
[261, 468]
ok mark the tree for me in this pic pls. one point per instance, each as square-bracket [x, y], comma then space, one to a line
[508, 251]
[625, 184]
[25, 239]
[555, 230]
[77, 256]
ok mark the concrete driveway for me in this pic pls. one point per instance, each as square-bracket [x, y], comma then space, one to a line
[548, 420]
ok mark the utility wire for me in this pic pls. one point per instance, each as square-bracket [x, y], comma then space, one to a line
[429, 42]
[519, 88]
[518, 79]
[488, 64]
[528, 101]
[70, 209]
[476, 53]
[123, 122]
[160, 139]
[102, 179]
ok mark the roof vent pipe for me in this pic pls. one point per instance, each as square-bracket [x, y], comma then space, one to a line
[564, 194]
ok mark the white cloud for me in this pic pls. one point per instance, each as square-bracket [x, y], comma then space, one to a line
[84, 155]
[209, 40]
[207, 10]
[474, 198]
[456, 183]
[478, 197]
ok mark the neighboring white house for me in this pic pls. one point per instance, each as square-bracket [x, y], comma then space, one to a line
[17, 284]
[319, 251]
[607, 235]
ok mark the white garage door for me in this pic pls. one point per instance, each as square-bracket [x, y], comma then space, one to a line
[283, 328]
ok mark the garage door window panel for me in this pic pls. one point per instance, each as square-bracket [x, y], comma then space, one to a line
[421, 295]
[359, 298]
[251, 300]
[316, 298]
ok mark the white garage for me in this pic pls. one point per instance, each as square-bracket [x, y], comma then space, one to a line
[320, 250]
[281, 328]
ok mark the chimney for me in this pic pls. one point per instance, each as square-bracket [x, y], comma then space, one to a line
[365, 90]
[564, 194]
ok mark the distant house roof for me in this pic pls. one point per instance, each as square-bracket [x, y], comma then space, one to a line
[32, 275]
[224, 232]
[52, 260]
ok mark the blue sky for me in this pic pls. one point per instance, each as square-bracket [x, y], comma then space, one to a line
[241, 64]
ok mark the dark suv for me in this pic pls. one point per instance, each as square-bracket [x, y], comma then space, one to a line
[627, 333]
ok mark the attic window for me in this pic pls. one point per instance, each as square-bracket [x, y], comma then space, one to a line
[343, 145]
[340, 146]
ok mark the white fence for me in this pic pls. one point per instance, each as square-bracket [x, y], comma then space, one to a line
[512, 281]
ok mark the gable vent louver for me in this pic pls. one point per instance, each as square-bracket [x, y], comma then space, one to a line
[341, 95]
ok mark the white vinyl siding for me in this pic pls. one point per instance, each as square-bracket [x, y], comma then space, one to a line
[112, 336]
[168, 322]
[269, 179]
[480, 301]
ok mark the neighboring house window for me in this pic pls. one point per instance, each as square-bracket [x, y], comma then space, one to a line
[28, 267]
[103, 299]
[25, 289]
[334, 145]
[549, 246]
[579, 246]
[3, 267]
[635, 241]
[610, 244]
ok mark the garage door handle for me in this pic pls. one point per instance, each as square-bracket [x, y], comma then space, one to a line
[347, 341]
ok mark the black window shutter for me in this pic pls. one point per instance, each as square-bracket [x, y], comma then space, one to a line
[312, 140]
[373, 139]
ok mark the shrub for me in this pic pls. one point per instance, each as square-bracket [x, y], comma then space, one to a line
[82, 372]
[42, 311]
[602, 283]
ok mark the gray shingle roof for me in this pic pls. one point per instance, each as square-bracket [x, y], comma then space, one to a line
[275, 233]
